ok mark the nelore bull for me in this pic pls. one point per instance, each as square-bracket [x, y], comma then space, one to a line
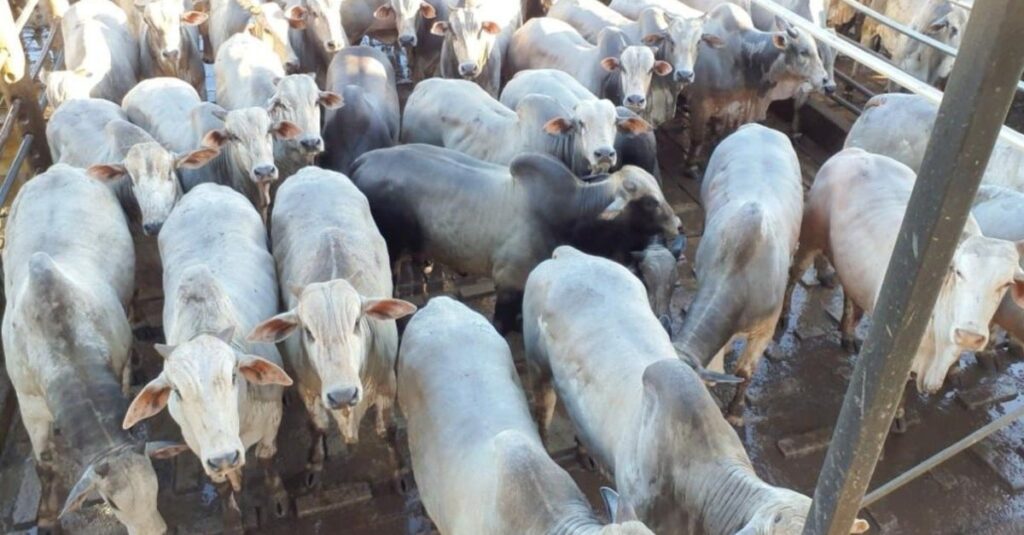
[487, 219]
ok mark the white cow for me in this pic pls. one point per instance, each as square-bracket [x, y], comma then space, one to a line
[853, 215]
[1000, 214]
[101, 56]
[647, 419]
[480, 466]
[169, 42]
[339, 329]
[900, 125]
[460, 115]
[938, 19]
[268, 22]
[753, 198]
[319, 37]
[68, 263]
[222, 391]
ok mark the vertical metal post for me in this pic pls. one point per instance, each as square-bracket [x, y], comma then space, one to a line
[16, 84]
[977, 99]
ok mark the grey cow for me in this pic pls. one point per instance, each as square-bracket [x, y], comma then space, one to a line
[480, 466]
[68, 263]
[169, 42]
[735, 83]
[486, 219]
[339, 330]
[753, 197]
[644, 415]
[369, 118]
[476, 38]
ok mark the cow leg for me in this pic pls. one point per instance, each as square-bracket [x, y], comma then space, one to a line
[851, 317]
[803, 260]
[507, 307]
[824, 272]
[39, 423]
[387, 430]
[745, 366]
[318, 435]
[544, 400]
[277, 497]
[698, 132]
[232, 514]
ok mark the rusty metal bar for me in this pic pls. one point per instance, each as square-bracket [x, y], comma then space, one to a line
[942, 456]
[8, 125]
[16, 85]
[845, 103]
[15, 168]
[850, 81]
[979, 92]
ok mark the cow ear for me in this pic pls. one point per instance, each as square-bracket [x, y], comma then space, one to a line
[384, 12]
[859, 526]
[150, 401]
[619, 510]
[215, 139]
[201, 5]
[612, 210]
[163, 350]
[939, 24]
[1018, 287]
[296, 16]
[558, 126]
[633, 125]
[275, 329]
[427, 11]
[610, 63]
[285, 130]
[82, 489]
[779, 40]
[196, 158]
[491, 27]
[106, 172]
[712, 40]
[164, 449]
[330, 100]
[193, 18]
[387, 309]
[662, 68]
[439, 28]
[260, 371]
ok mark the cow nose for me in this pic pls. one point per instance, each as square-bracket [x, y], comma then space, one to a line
[152, 229]
[312, 144]
[264, 173]
[970, 340]
[604, 153]
[333, 46]
[225, 462]
[407, 40]
[635, 101]
[468, 69]
[342, 397]
[829, 87]
[684, 75]
[170, 54]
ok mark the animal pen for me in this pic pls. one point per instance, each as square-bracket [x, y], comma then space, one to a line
[853, 474]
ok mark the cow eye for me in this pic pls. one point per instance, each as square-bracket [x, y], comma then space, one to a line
[958, 274]
[177, 394]
[113, 505]
[308, 333]
[234, 379]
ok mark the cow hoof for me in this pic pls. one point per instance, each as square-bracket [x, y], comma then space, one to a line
[850, 344]
[827, 280]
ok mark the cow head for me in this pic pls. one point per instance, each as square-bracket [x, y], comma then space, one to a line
[335, 325]
[62, 86]
[639, 199]
[163, 20]
[924, 62]
[636, 65]
[982, 271]
[799, 59]
[125, 479]
[270, 24]
[594, 124]
[658, 271]
[201, 384]
[405, 13]
[248, 137]
[297, 100]
[785, 511]
[471, 38]
[680, 38]
[324, 18]
[152, 171]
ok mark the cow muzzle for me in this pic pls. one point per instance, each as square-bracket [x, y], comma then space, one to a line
[635, 102]
[828, 87]
[333, 45]
[222, 463]
[407, 40]
[152, 229]
[604, 159]
[343, 398]
[312, 144]
[171, 54]
[684, 76]
[468, 70]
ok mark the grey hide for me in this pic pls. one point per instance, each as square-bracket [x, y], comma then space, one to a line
[369, 117]
[1000, 214]
[480, 466]
[753, 197]
[645, 416]
[68, 265]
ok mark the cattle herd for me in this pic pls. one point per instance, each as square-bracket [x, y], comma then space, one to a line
[525, 153]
